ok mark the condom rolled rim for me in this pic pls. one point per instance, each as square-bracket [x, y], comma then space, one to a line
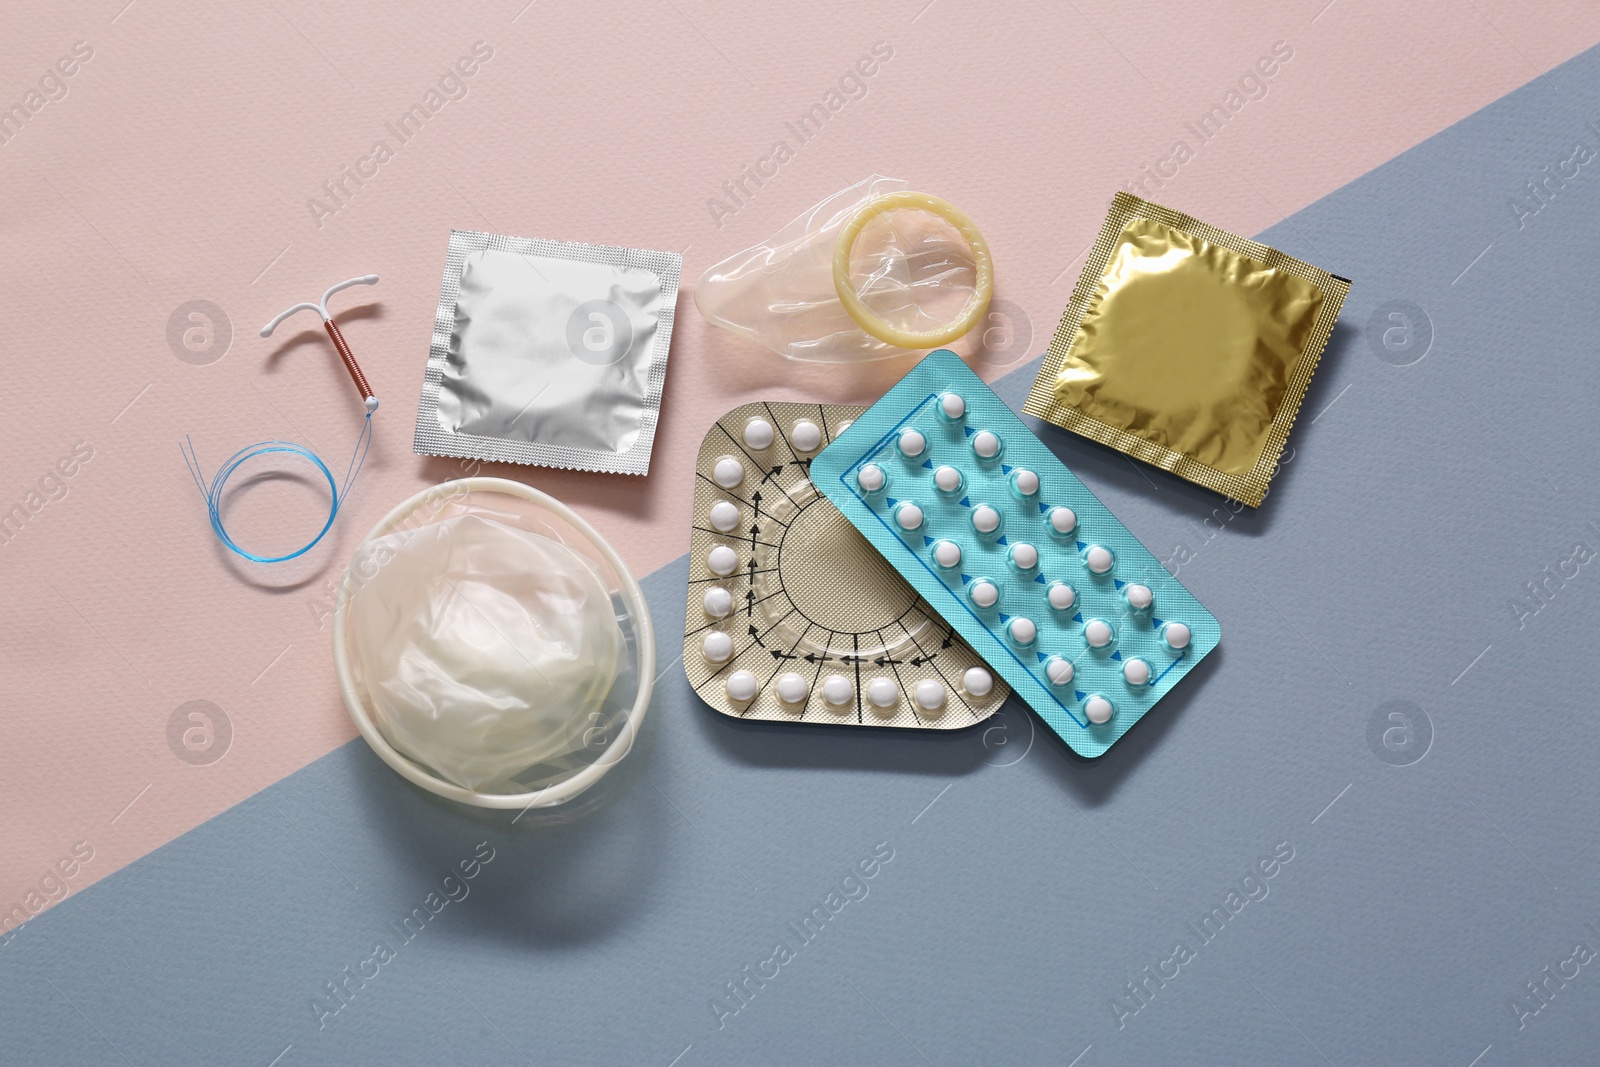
[627, 588]
[977, 303]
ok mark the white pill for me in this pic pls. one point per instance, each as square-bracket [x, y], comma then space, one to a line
[792, 688]
[870, 478]
[1139, 596]
[724, 516]
[1098, 558]
[1058, 670]
[1025, 556]
[717, 646]
[977, 682]
[882, 693]
[742, 686]
[728, 472]
[838, 691]
[1063, 520]
[985, 519]
[1097, 632]
[984, 593]
[1061, 596]
[1136, 671]
[722, 560]
[909, 516]
[1098, 709]
[806, 435]
[1023, 631]
[952, 405]
[1176, 635]
[718, 601]
[1026, 481]
[929, 695]
[912, 442]
[947, 554]
[758, 434]
[985, 444]
[947, 479]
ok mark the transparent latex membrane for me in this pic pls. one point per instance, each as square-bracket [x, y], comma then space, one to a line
[493, 646]
[912, 269]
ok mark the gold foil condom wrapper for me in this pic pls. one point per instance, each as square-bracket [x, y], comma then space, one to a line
[1188, 347]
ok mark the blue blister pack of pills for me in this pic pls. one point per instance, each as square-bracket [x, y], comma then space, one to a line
[1002, 540]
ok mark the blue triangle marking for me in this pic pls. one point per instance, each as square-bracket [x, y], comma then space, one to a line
[1005, 469]
[1118, 582]
[1078, 617]
[1081, 545]
[1040, 580]
[1044, 508]
[1156, 622]
[1116, 655]
[1004, 617]
[928, 463]
[966, 501]
[966, 577]
[891, 502]
[926, 540]
[1002, 540]
[970, 430]
[1079, 693]
[1042, 656]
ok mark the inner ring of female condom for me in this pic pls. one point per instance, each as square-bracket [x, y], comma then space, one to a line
[976, 305]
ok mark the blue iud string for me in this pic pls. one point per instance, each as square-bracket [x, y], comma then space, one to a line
[336, 492]
[983, 520]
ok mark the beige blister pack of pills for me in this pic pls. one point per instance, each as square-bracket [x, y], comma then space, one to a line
[792, 616]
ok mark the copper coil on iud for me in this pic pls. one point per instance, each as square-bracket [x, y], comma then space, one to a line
[339, 343]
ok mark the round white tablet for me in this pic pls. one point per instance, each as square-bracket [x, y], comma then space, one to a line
[871, 478]
[792, 688]
[717, 646]
[1062, 520]
[1058, 670]
[1026, 481]
[985, 519]
[929, 695]
[986, 444]
[806, 435]
[758, 434]
[1136, 671]
[838, 691]
[977, 682]
[724, 516]
[984, 593]
[947, 478]
[912, 443]
[1097, 632]
[1025, 556]
[952, 405]
[1138, 596]
[1176, 635]
[1061, 596]
[909, 516]
[1098, 709]
[882, 693]
[722, 560]
[742, 686]
[947, 553]
[728, 472]
[718, 601]
[1098, 558]
[1022, 631]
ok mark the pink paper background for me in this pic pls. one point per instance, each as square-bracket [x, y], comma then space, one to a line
[180, 161]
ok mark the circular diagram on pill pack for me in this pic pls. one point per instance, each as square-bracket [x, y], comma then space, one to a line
[792, 615]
